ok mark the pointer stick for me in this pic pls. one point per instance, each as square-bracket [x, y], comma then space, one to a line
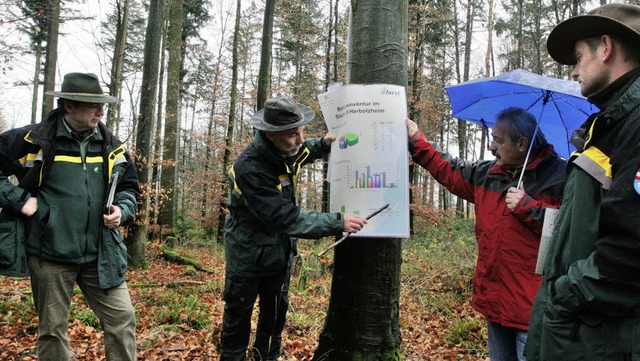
[348, 234]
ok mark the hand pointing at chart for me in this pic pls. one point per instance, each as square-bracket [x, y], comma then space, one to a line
[353, 222]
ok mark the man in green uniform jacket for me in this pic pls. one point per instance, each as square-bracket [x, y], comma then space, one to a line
[259, 235]
[66, 166]
[588, 306]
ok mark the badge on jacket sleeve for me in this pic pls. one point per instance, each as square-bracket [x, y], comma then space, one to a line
[636, 182]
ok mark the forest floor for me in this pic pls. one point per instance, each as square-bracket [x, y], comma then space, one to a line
[179, 310]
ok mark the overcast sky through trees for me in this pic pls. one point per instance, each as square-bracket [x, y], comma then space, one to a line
[76, 52]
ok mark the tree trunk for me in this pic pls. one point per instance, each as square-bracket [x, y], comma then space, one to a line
[264, 74]
[463, 128]
[487, 71]
[122, 11]
[363, 317]
[172, 115]
[157, 143]
[232, 115]
[136, 242]
[36, 83]
[327, 80]
[51, 56]
[209, 169]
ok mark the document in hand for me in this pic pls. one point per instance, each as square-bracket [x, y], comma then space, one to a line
[112, 193]
[549, 222]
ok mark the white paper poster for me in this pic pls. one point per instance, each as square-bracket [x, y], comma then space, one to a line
[368, 165]
[548, 225]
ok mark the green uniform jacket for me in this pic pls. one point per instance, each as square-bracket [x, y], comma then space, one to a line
[588, 305]
[264, 218]
[71, 182]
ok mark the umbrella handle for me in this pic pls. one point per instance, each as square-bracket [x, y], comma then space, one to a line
[533, 140]
[526, 159]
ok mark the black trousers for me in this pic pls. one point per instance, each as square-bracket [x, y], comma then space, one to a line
[240, 294]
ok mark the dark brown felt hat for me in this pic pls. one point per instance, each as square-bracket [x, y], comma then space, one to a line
[282, 113]
[612, 19]
[82, 87]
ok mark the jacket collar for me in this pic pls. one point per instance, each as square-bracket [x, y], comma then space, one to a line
[618, 109]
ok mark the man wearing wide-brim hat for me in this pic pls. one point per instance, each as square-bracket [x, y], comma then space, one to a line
[66, 166]
[588, 306]
[263, 223]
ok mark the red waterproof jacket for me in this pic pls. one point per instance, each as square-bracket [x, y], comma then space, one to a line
[504, 283]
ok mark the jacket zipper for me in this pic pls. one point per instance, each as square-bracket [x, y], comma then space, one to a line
[83, 158]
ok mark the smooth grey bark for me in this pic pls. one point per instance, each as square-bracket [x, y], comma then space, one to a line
[172, 115]
[363, 317]
[264, 74]
[36, 83]
[51, 58]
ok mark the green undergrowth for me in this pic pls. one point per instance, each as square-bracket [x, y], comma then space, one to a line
[181, 307]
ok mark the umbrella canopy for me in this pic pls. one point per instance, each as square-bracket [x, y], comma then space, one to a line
[556, 103]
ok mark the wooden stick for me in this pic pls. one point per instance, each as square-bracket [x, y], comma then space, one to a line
[348, 234]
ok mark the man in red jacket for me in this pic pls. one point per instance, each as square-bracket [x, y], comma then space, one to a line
[508, 220]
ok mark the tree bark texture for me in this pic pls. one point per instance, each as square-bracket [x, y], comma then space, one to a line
[136, 242]
[264, 73]
[122, 11]
[226, 160]
[172, 116]
[363, 318]
[51, 56]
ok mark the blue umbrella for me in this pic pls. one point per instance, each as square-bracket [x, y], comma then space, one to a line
[556, 103]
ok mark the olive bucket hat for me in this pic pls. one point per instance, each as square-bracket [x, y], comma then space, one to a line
[613, 19]
[82, 87]
[281, 113]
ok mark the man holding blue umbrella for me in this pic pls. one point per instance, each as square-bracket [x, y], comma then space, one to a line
[588, 306]
[508, 220]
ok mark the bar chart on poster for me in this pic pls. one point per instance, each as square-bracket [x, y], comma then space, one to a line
[368, 165]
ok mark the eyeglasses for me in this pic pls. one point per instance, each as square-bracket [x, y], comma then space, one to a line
[96, 106]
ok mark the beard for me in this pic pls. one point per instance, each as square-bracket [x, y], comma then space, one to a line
[286, 150]
[290, 152]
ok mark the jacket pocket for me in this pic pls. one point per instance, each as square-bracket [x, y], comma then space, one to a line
[60, 238]
[270, 252]
[568, 337]
[8, 244]
[13, 257]
[112, 258]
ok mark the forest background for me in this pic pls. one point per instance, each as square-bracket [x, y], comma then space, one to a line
[191, 72]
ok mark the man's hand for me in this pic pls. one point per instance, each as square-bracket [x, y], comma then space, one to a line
[353, 222]
[514, 195]
[30, 208]
[412, 127]
[328, 139]
[113, 220]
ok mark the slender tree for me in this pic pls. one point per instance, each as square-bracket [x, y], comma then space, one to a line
[122, 117]
[226, 160]
[36, 26]
[363, 317]
[136, 242]
[264, 75]
[172, 116]
[117, 64]
[51, 58]
[487, 71]
[327, 71]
